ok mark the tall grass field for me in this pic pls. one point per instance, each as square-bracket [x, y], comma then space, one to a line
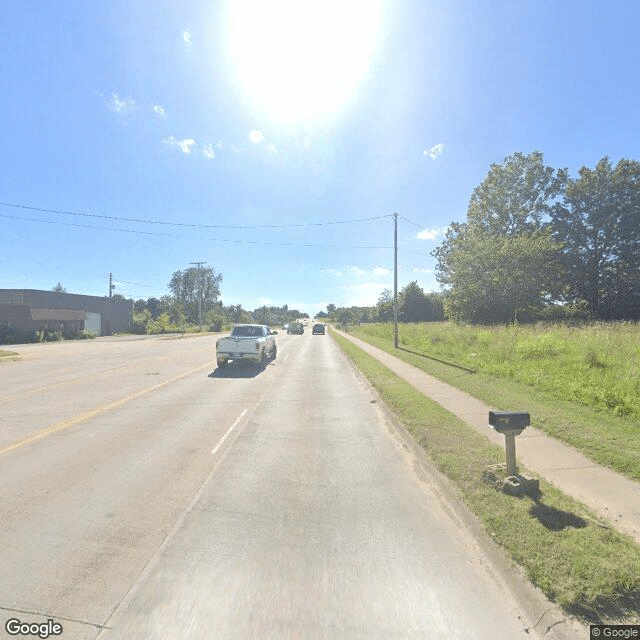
[597, 365]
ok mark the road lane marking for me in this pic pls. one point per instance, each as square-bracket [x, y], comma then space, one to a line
[55, 385]
[64, 424]
[229, 430]
[144, 572]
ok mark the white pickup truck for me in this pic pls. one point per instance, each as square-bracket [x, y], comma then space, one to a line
[254, 342]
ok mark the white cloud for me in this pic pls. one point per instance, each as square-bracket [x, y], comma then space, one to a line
[159, 109]
[256, 136]
[265, 301]
[186, 37]
[121, 105]
[380, 271]
[435, 151]
[422, 270]
[184, 145]
[220, 144]
[208, 151]
[333, 272]
[271, 148]
[431, 234]
[363, 294]
[357, 271]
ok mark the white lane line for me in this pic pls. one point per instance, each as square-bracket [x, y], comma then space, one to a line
[229, 430]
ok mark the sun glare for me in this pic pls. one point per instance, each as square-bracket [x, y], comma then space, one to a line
[299, 60]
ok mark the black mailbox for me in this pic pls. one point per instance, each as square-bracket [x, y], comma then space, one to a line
[509, 420]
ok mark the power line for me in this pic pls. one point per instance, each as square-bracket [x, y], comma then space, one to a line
[173, 235]
[186, 224]
[432, 231]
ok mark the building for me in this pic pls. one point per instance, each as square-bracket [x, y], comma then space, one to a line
[24, 311]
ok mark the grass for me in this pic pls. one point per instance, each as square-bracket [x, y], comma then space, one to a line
[595, 364]
[6, 354]
[562, 546]
[528, 367]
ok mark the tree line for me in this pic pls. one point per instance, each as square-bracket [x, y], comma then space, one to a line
[414, 305]
[194, 301]
[539, 244]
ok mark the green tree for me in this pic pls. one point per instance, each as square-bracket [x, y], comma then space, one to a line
[497, 278]
[516, 196]
[414, 305]
[385, 306]
[196, 290]
[598, 224]
[331, 310]
[502, 264]
[59, 288]
[141, 320]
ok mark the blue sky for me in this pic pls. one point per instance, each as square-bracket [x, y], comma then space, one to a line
[224, 113]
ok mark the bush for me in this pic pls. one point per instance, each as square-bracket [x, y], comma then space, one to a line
[53, 336]
[85, 334]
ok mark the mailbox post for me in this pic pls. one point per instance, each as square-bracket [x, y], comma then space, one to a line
[512, 424]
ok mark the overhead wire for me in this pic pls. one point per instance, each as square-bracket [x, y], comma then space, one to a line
[211, 226]
[192, 225]
[175, 235]
[431, 231]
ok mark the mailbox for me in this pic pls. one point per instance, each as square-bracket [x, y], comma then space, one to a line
[503, 421]
[511, 424]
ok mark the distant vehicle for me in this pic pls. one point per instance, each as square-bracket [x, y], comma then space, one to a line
[253, 342]
[318, 328]
[296, 327]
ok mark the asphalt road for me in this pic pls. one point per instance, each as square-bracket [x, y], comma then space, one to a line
[147, 495]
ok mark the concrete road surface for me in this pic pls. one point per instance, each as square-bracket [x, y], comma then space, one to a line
[147, 495]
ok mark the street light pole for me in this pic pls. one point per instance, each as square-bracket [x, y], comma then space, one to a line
[395, 280]
[199, 295]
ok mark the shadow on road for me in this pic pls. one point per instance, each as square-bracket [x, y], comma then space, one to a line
[241, 370]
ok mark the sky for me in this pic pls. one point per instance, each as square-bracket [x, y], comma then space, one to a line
[275, 140]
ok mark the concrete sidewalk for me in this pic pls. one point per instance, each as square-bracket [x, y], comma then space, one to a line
[613, 496]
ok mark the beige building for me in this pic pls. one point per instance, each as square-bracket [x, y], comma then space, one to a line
[24, 311]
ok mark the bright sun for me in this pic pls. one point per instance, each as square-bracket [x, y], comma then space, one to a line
[300, 60]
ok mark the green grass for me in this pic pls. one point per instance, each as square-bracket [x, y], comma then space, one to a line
[5, 354]
[596, 364]
[562, 546]
[497, 355]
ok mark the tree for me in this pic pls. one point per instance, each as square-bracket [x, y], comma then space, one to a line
[59, 288]
[196, 290]
[385, 306]
[416, 306]
[412, 303]
[598, 225]
[331, 310]
[516, 196]
[497, 278]
[502, 264]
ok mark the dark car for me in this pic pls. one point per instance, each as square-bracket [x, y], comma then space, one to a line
[318, 328]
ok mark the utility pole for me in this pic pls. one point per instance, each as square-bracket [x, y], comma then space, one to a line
[395, 280]
[111, 285]
[199, 295]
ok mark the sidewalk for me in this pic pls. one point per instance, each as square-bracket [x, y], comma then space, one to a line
[613, 496]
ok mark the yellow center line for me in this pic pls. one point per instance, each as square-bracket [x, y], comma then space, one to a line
[40, 390]
[64, 424]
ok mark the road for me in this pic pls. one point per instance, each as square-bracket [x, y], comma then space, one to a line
[147, 495]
